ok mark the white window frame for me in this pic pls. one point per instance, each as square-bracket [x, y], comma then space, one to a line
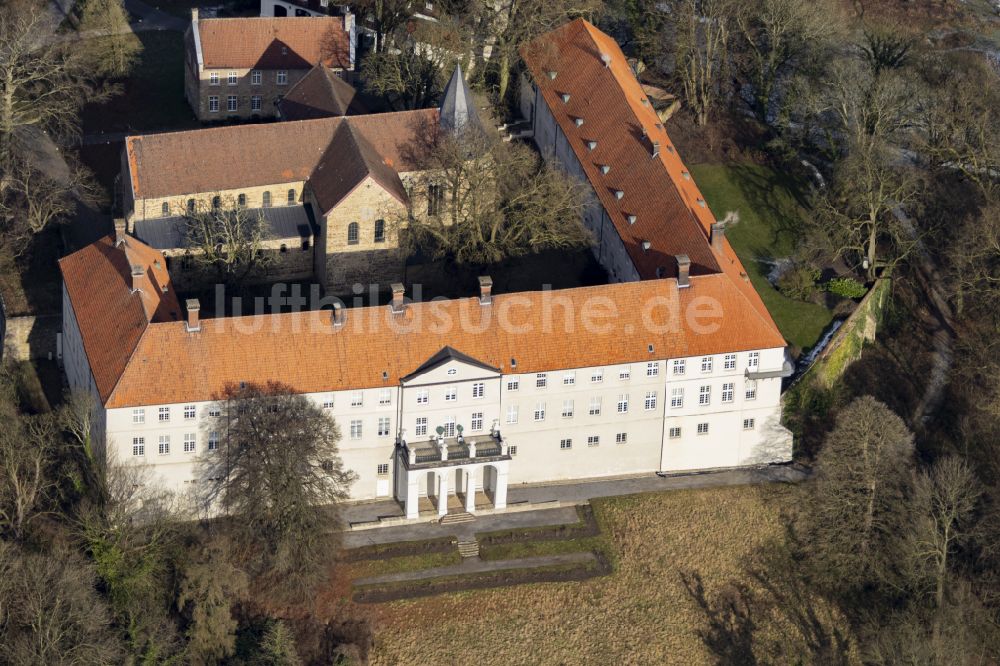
[138, 446]
[625, 373]
[595, 407]
[423, 396]
[703, 428]
[451, 394]
[597, 376]
[358, 399]
[282, 77]
[382, 469]
[357, 428]
[138, 415]
[190, 412]
[706, 364]
[213, 78]
[622, 406]
[384, 426]
[541, 380]
[565, 444]
[420, 428]
[476, 422]
[511, 413]
[704, 395]
[652, 369]
[728, 392]
[729, 362]
[256, 77]
[479, 390]
[163, 415]
[753, 359]
[190, 442]
[567, 409]
[750, 389]
[621, 438]
[674, 432]
[328, 403]
[163, 445]
[593, 440]
[512, 450]
[232, 78]
[650, 402]
[679, 366]
[213, 440]
[749, 424]
[540, 411]
[676, 398]
[449, 426]
[213, 103]
[215, 411]
[232, 103]
[569, 379]
[385, 397]
[513, 383]
[256, 102]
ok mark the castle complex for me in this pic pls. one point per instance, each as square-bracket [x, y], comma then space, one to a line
[674, 365]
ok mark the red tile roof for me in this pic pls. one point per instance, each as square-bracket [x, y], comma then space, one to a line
[111, 318]
[320, 94]
[376, 348]
[349, 160]
[235, 156]
[274, 43]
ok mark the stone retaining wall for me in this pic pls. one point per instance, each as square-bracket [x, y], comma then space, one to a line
[26, 338]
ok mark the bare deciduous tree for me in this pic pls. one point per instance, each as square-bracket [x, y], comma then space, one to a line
[227, 239]
[114, 50]
[479, 200]
[27, 448]
[29, 202]
[856, 514]
[700, 36]
[280, 477]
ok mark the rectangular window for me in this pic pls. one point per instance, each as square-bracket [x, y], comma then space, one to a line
[679, 366]
[231, 103]
[357, 399]
[213, 440]
[621, 438]
[213, 103]
[729, 362]
[356, 429]
[451, 394]
[190, 442]
[753, 359]
[676, 398]
[597, 376]
[138, 416]
[623, 403]
[624, 374]
[748, 424]
[704, 395]
[477, 422]
[595, 407]
[513, 384]
[511, 413]
[385, 397]
[449, 426]
[540, 411]
[565, 444]
[706, 364]
[256, 77]
[652, 369]
[215, 411]
[383, 426]
[164, 445]
[423, 395]
[702, 428]
[650, 402]
[541, 380]
[189, 412]
[282, 78]
[164, 414]
[675, 433]
[255, 102]
[382, 469]
[435, 195]
[328, 403]
[728, 391]
[512, 450]
[213, 78]
[138, 446]
[232, 78]
[421, 429]
[751, 389]
[569, 379]
[567, 410]
[478, 390]
[593, 440]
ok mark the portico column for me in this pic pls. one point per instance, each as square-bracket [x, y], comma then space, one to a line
[470, 489]
[412, 496]
[500, 491]
[442, 494]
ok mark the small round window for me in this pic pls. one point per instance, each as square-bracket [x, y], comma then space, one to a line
[452, 371]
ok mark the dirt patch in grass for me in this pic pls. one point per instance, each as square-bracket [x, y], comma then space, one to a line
[492, 579]
[382, 551]
[642, 613]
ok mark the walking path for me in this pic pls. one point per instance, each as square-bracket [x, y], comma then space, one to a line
[562, 493]
[475, 565]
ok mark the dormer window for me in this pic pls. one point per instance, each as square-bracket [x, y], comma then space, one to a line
[565, 98]
[591, 145]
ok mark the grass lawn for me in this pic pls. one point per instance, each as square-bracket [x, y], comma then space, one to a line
[769, 214]
[642, 613]
[152, 96]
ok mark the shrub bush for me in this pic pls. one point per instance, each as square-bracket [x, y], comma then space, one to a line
[846, 287]
[799, 282]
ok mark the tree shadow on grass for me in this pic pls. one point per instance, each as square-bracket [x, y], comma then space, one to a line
[777, 201]
[729, 626]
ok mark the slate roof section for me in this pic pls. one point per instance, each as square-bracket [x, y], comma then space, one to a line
[320, 94]
[349, 160]
[458, 109]
[237, 156]
[448, 354]
[274, 43]
[167, 233]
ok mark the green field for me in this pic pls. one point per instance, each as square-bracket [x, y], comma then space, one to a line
[770, 213]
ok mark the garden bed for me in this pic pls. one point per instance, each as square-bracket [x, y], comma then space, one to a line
[385, 551]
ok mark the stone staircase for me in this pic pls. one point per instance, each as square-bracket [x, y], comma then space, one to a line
[456, 518]
[468, 548]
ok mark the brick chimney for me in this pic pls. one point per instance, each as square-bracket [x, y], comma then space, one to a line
[485, 290]
[138, 272]
[193, 321]
[337, 318]
[683, 270]
[718, 235]
[397, 306]
[121, 230]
